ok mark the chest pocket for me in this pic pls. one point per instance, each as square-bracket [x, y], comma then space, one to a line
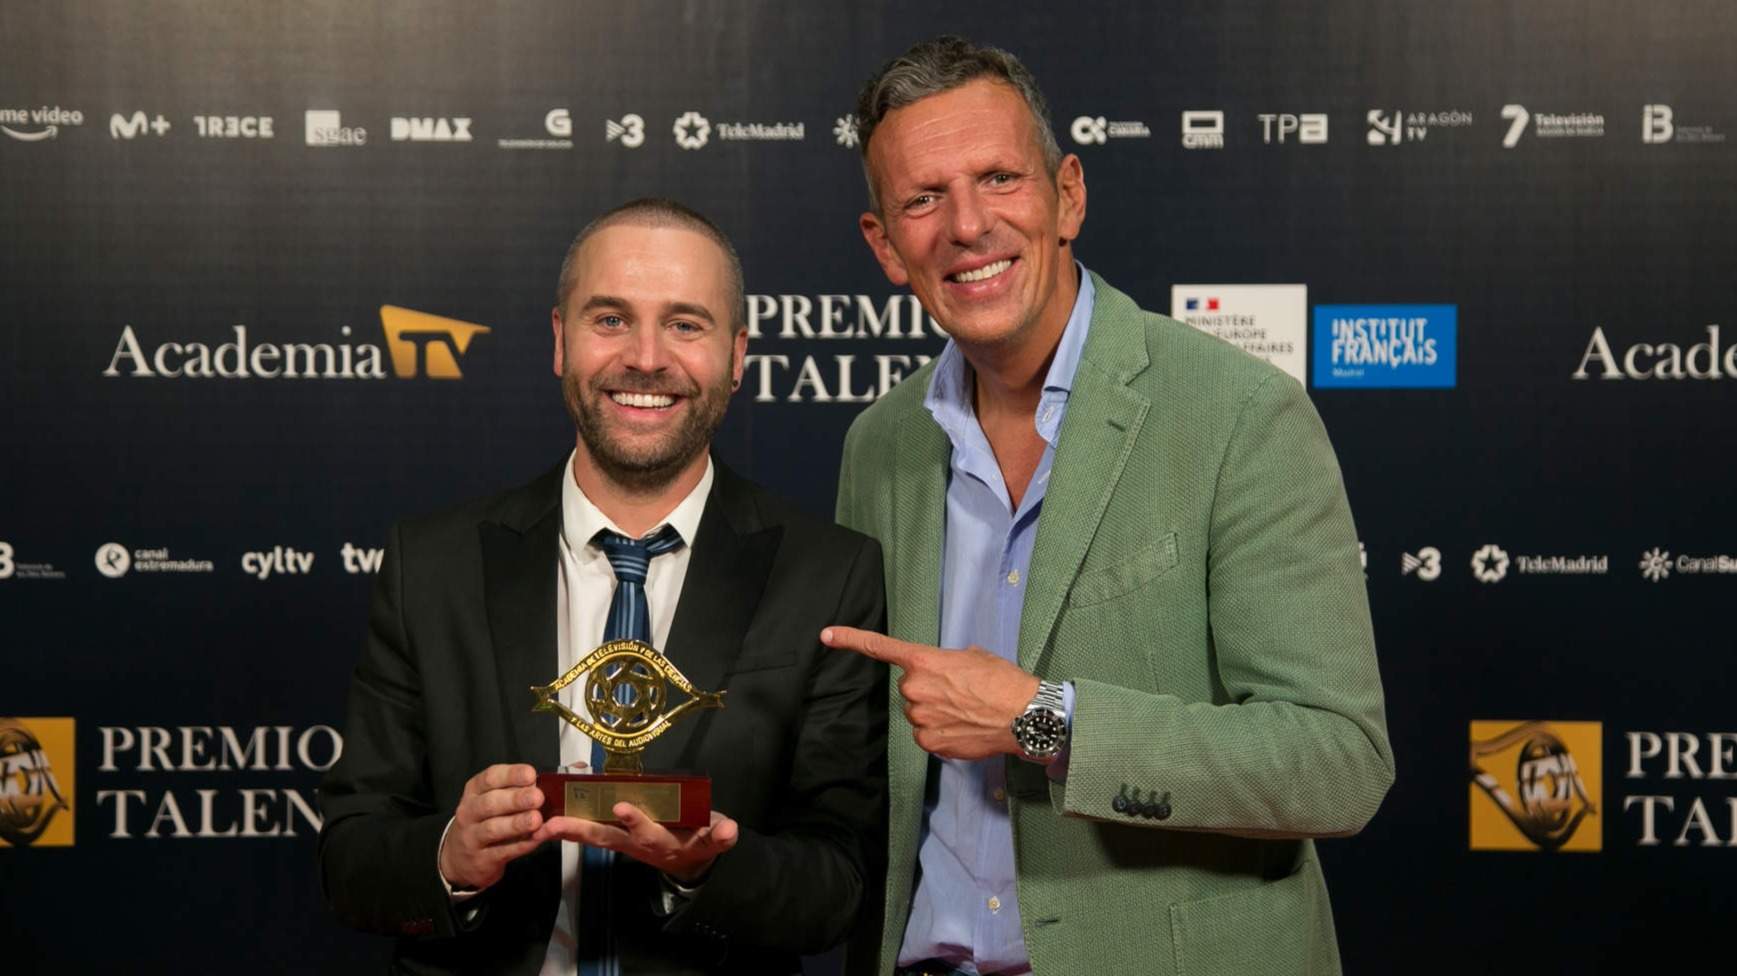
[1145, 566]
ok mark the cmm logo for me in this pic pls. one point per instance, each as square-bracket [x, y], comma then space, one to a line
[35, 805]
[1534, 784]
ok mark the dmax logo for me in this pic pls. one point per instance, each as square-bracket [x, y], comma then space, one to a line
[426, 345]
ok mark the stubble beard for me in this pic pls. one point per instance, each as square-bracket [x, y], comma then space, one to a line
[651, 468]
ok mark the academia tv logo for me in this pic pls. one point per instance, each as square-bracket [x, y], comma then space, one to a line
[1535, 785]
[419, 345]
[36, 782]
[1386, 346]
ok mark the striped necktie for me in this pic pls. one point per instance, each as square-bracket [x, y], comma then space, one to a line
[629, 619]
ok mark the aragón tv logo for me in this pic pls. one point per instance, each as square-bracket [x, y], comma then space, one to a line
[418, 344]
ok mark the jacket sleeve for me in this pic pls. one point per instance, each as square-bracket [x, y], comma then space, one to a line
[379, 843]
[801, 884]
[1295, 744]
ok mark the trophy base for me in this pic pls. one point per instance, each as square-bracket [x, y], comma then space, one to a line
[672, 799]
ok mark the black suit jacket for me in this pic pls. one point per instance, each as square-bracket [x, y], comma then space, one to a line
[461, 626]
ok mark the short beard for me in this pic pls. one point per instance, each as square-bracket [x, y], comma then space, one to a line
[645, 471]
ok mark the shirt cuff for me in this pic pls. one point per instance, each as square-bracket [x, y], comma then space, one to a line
[673, 893]
[457, 895]
[1057, 768]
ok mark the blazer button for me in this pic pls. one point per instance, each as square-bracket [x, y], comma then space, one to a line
[1162, 811]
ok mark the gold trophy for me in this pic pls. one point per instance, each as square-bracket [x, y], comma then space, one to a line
[627, 692]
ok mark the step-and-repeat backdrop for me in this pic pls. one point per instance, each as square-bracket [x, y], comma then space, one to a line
[276, 275]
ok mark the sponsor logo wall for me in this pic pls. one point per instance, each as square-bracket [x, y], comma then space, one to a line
[259, 315]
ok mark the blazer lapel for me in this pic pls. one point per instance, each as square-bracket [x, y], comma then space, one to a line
[914, 602]
[520, 558]
[732, 559]
[1103, 420]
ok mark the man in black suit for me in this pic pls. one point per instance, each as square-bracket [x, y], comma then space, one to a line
[432, 824]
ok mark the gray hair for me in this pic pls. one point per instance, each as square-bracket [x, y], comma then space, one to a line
[657, 212]
[941, 65]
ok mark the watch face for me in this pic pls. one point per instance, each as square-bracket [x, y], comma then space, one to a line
[1039, 733]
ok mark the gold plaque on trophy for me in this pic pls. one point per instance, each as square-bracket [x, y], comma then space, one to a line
[627, 691]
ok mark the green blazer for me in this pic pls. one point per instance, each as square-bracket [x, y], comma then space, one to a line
[1196, 576]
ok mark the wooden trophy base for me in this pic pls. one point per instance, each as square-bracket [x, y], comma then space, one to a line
[672, 799]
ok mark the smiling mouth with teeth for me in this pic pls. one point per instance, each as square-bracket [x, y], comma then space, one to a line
[643, 400]
[982, 274]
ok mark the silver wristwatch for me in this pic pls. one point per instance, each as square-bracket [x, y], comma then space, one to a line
[1042, 730]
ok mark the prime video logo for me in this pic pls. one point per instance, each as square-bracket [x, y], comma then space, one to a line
[1386, 346]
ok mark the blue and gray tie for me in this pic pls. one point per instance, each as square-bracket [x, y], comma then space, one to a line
[629, 619]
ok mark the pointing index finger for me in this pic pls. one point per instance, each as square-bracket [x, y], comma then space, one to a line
[870, 644]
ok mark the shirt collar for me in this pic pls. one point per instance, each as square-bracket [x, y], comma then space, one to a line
[581, 520]
[949, 395]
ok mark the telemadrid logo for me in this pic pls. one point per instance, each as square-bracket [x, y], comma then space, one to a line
[1490, 563]
[692, 130]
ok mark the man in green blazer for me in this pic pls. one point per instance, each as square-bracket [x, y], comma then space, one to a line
[1133, 540]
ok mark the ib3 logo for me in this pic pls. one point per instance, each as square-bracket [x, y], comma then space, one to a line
[1535, 784]
[36, 782]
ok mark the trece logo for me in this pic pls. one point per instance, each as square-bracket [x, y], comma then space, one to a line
[420, 344]
[1386, 346]
[37, 788]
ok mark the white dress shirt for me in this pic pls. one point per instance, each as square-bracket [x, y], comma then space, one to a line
[587, 584]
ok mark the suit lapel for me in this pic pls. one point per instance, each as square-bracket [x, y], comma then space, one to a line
[1103, 420]
[727, 574]
[919, 518]
[520, 559]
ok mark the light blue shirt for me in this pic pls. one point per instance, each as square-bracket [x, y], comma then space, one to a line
[966, 907]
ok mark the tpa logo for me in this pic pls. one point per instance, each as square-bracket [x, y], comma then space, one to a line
[1534, 784]
[37, 788]
[1309, 128]
[131, 127]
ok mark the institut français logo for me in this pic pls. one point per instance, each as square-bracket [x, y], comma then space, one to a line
[36, 782]
[1536, 786]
